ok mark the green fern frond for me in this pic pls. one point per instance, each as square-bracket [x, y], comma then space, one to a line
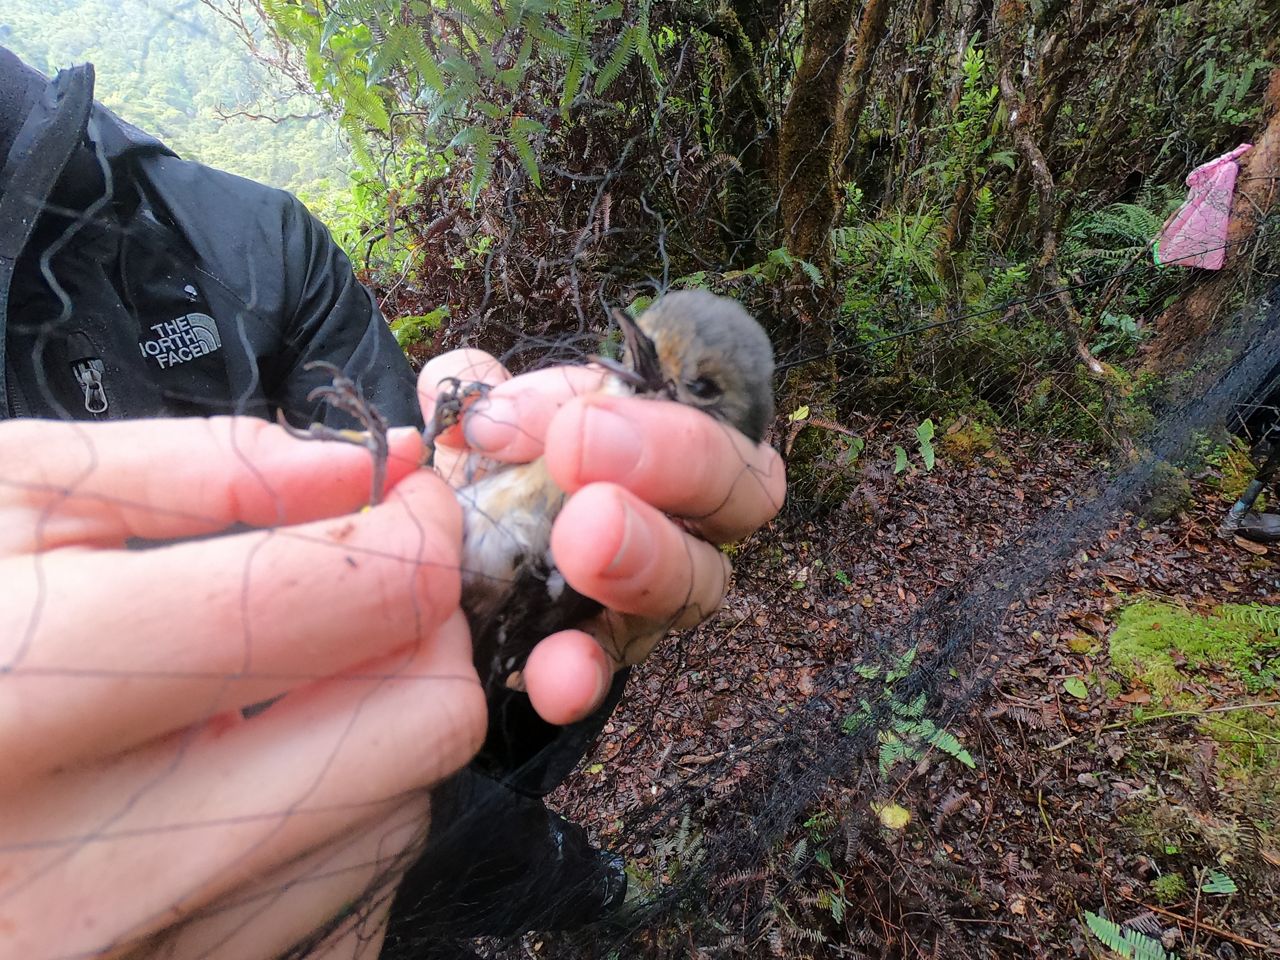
[581, 28]
[644, 43]
[460, 71]
[554, 40]
[487, 25]
[1251, 615]
[946, 741]
[276, 9]
[1112, 235]
[892, 749]
[418, 55]
[623, 53]
[453, 99]
[1130, 944]
[489, 109]
[363, 10]
[514, 75]
[388, 55]
[482, 145]
[358, 139]
[364, 104]
[573, 77]
[521, 129]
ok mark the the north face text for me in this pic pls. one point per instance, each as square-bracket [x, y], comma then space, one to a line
[178, 341]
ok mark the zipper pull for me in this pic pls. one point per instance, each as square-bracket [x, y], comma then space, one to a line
[88, 374]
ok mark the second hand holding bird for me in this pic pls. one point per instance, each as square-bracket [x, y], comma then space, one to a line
[627, 466]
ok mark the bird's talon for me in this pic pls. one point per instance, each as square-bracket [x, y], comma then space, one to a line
[450, 406]
[344, 395]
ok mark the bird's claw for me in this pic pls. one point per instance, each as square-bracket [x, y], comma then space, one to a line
[450, 404]
[343, 394]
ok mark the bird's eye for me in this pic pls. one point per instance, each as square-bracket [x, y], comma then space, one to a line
[704, 388]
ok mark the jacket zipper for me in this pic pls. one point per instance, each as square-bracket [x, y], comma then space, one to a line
[88, 373]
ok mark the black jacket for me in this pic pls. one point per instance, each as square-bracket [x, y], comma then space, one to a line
[134, 283]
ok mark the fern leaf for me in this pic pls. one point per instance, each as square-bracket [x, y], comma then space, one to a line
[417, 55]
[333, 25]
[812, 272]
[572, 84]
[1219, 882]
[489, 109]
[947, 742]
[387, 56]
[622, 55]
[513, 76]
[583, 26]
[482, 147]
[1251, 615]
[358, 140]
[800, 850]
[521, 129]
[892, 749]
[364, 104]
[485, 23]
[553, 40]
[462, 72]
[1130, 944]
[644, 43]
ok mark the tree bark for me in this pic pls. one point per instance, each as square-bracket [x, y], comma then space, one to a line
[856, 82]
[743, 122]
[806, 148]
[1022, 120]
[1182, 327]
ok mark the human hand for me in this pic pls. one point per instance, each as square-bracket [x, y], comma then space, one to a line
[629, 465]
[140, 815]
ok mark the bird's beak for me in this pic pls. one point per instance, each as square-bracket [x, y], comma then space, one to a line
[644, 371]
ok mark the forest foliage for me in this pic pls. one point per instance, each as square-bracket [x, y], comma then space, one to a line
[950, 201]
[181, 73]
[947, 202]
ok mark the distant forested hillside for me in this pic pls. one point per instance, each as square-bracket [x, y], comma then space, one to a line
[169, 66]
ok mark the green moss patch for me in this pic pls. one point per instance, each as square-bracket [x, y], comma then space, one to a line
[1169, 887]
[1158, 644]
[965, 439]
[1198, 663]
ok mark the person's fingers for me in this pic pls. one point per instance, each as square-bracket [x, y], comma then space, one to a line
[671, 456]
[443, 374]
[157, 479]
[567, 676]
[615, 548]
[97, 662]
[141, 842]
[510, 423]
[442, 377]
[262, 920]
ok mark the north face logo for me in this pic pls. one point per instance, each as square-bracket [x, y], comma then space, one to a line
[178, 341]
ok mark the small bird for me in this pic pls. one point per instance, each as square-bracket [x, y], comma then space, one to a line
[689, 346]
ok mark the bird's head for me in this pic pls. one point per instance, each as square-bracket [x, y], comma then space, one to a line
[703, 350]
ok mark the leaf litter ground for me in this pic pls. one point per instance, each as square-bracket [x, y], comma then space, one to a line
[1079, 801]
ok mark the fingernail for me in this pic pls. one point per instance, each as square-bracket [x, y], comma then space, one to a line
[491, 424]
[611, 445]
[399, 435]
[635, 550]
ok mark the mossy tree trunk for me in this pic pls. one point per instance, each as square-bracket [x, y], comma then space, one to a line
[856, 84]
[807, 196]
[1180, 330]
[744, 128]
